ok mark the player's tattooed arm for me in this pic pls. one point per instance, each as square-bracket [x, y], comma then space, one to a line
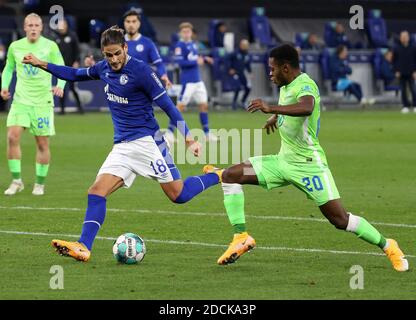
[304, 107]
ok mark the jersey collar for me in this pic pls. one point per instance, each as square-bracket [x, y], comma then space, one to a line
[126, 37]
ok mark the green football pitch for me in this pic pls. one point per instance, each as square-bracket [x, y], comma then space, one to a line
[372, 156]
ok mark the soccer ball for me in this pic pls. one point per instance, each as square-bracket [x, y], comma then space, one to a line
[129, 248]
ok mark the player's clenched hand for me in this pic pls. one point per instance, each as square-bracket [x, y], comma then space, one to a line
[270, 125]
[31, 59]
[194, 147]
[209, 60]
[200, 60]
[257, 105]
[56, 91]
[89, 61]
[5, 94]
[167, 82]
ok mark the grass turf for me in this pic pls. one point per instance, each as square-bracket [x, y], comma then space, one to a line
[372, 158]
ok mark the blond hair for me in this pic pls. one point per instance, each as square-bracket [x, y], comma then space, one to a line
[184, 25]
[33, 15]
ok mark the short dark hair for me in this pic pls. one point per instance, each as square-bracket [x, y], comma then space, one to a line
[131, 13]
[285, 53]
[113, 35]
[340, 48]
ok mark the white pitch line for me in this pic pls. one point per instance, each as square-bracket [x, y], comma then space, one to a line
[206, 214]
[204, 244]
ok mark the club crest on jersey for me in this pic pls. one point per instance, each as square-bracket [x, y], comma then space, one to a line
[124, 79]
[30, 70]
[178, 51]
[139, 48]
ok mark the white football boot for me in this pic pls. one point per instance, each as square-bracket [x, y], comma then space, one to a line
[38, 189]
[15, 187]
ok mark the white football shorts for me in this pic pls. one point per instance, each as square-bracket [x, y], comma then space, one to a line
[144, 157]
[193, 91]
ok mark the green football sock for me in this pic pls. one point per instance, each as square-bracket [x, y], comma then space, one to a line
[364, 230]
[15, 167]
[41, 172]
[234, 206]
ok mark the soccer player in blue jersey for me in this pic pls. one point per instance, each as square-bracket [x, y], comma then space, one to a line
[141, 47]
[139, 148]
[186, 55]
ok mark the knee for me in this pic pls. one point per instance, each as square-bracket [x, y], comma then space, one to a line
[340, 222]
[203, 107]
[96, 190]
[43, 146]
[13, 138]
[174, 195]
[228, 177]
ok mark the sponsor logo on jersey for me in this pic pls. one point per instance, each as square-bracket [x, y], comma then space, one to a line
[280, 120]
[192, 56]
[114, 98]
[154, 76]
[139, 48]
[307, 89]
[30, 70]
[124, 79]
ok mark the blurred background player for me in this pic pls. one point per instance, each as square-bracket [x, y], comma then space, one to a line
[68, 44]
[404, 61]
[240, 62]
[139, 149]
[301, 162]
[33, 104]
[140, 47]
[188, 59]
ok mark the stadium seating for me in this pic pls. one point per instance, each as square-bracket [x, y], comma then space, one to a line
[300, 39]
[376, 29]
[7, 29]
[212, 30]
[260, 27]
[329, 33]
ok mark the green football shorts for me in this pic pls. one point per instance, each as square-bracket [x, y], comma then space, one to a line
[313, 179]
[39, 120]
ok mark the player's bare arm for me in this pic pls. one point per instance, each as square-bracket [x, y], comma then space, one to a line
[303, 108]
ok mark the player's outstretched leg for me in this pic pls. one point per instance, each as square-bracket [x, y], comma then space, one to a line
[179, 191]
[234, 205]
[94, 218]
[337, 215]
